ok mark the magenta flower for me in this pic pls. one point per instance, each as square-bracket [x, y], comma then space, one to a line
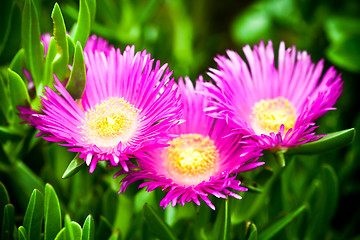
[127, 107]
[276, 106]
[199, 161]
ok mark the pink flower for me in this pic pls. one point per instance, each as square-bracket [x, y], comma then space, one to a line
[200, 161]
[127, 107]
[277, 106]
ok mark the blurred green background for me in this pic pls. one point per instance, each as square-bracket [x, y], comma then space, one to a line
[188, 35]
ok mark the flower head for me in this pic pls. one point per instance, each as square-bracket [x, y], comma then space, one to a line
[276, 106]
[200, 161]
[129, 103]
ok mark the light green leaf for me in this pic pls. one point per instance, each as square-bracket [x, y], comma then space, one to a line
[331, 141]
[7, 229]
[18, 92]
[48, 68]
[92, 10]
[339, 28]
[88, 228]
[4, 199]
[30, 36]
[74, 167]
[61, 68]
[77, 80]
[271, 231]
[72, 229]
[61, 234]
[52, 213]
[252, 232]
[17, 63]
[83, 23]
[34, 215]
[116, 235]
[22, 233]
[156, 224]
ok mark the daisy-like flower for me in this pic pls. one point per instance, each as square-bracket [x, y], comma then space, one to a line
[127, 107]
[276, 106]
[199, 161]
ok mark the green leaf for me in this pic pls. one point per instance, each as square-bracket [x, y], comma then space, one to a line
[252, 232]
[18, 91]
[52, 213]
[71, 47]
[4, 99]
[61, 234]
[88, 228]
[116, 235]
[331, 141]
[4, 199]
[92, 10]
[22, 233]
[83, 23]
[48, 67]
[104, 230]
[34, 215]
[30, 36]
[72, 229]
[77, 80]
[271, 231]
[339, 28]
[222, 224]
[7, 229]
[156, 224]
[324, 194]
[346, 54]
[74, 167]
[17, 63]
[61, 68]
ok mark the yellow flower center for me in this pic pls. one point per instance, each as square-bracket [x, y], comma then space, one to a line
[111, 121]
[191, 158]
[268, 115]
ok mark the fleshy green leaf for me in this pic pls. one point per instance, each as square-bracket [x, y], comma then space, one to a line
[331, 141]
[222, 223]
[4, 99]
[22, 233]
[72, 229]
[346, 54]
[83, 23]
[61, 63]
[52, 213]
[30, 36]
[269, 232]
[34, 215]
[74, 167]
[92, 10]
[88, 228]
[7, 229]
[61, 235]
[4, 199]
[252, 232]
[116, 235]
[48, 68]
[156, 224]
[77, 80]
[18, 91]
[104, 230]
[17, 63]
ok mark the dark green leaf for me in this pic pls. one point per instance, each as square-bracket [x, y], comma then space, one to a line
[271, 231]
[92, 10]
[4, 99]
[83, 23]
[72, 229]
[252, 232]
[346, 54]
[88, 228]
[330, 142]
[77, 80]
[222, 223]
[61, 235]
[116, 235]
[52, 213]
[71, 46]
[18, 91]
[61, 63]
[4, 199]
[34, 215]
[30, 36]
[7, 229]
[22, 233]
[4, 36]
[104, 230]
[156, 224]
[74, 167]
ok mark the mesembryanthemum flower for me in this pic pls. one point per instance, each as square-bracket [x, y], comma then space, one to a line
[127, 107]
[199, 161]
[277, 106]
